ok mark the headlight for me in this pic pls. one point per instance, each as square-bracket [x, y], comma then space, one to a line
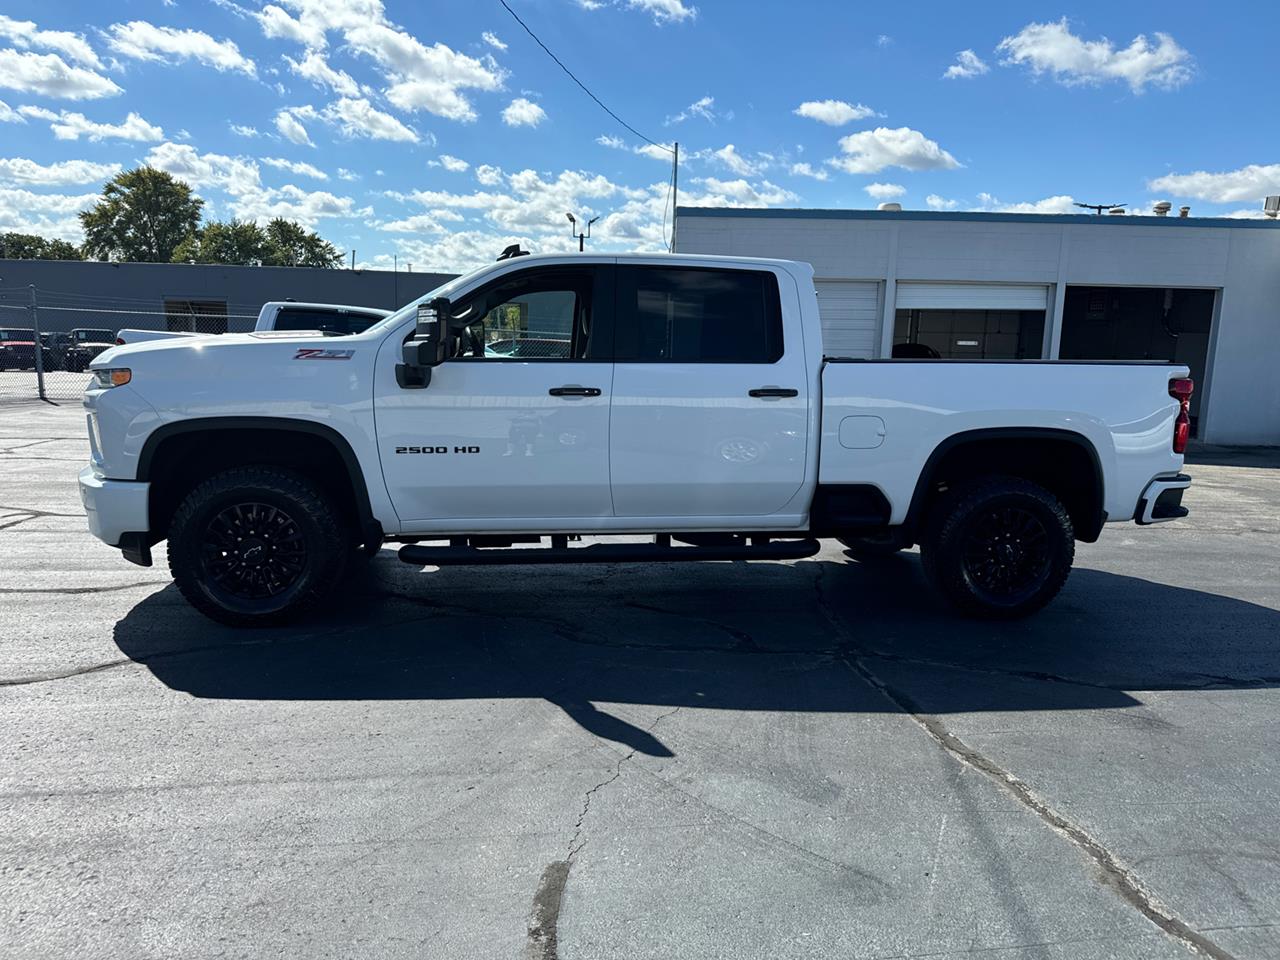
[108, 377]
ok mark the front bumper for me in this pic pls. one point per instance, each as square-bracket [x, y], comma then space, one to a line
[1162, 500]
[115, 508]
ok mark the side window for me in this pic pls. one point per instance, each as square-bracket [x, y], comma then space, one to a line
[538, 315]
[334, 321]
[696, 315]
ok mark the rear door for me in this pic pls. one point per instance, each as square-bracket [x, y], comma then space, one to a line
[710, 402]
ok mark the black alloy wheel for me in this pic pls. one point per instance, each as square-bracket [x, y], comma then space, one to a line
[253, 551]
[1006, 554]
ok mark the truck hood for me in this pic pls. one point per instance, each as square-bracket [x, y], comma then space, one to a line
[137, 351]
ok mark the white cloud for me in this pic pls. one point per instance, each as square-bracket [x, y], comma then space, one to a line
[968, 64]
[523, 113]
[24, 34]
[805, 170]
[277, 23]
[10, 115]
[1058, 204]
[22, 170]
[699, 108]
[492, 40]
[736, 162]
[1052, 48]
[884, 40]
[835, 113]
[49, 75]
[884, 191]
[243, 130]
[289, 124]
[72, 126]
[357, 117]
[44, 214]
[141, 40]
[664, 11]
[488, 175]
[1252, 182]
[294, 203]
[453, 164]
[871, 151]
[296, 166]
[935, 202]
[315, 68]
[652, 150]
[740, 193]
[238, 176]
[345, 174]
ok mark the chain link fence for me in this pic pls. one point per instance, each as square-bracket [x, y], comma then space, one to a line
[48, 338]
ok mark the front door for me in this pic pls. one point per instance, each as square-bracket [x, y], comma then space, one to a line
[516, 423]
[710, 406]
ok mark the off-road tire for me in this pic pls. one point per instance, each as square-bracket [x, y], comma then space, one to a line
[214, 514]
[996, 524]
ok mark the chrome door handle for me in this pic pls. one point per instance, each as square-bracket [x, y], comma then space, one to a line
[773, 392]
[574, 391]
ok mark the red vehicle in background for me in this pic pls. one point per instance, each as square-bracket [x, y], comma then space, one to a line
[17, 349]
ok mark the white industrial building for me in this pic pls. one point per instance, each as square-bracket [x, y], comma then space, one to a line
[1200, 291]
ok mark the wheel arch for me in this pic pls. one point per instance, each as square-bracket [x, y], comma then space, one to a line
[178, 455]
[1064, 462]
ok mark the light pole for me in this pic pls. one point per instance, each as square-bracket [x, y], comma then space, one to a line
[582, 237]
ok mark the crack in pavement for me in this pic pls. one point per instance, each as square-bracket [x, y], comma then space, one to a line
[543, 937]
[1113, 874]
[74, 591]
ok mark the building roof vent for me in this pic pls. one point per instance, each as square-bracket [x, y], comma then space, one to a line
[890, 206]
[1116, 211]
[1162, 208]
[1184, 211]
[1271, 207]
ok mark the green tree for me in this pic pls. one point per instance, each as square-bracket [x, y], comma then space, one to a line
[27, 246]
[290, 244]
[240, 242]
[143, 215]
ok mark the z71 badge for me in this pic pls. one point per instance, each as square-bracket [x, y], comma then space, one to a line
[318, 353]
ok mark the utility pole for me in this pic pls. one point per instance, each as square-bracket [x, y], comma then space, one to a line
[395, 282]
[39, 347]
[675, 194]
[353, 258]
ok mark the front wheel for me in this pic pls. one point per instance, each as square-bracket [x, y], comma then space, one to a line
[999, 548]
[257, 546]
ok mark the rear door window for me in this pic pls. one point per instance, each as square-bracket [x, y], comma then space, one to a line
[697, 315]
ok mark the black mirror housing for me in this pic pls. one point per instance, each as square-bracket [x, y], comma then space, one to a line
[427, 347]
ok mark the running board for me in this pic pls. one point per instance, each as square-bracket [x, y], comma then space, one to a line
[661, 552]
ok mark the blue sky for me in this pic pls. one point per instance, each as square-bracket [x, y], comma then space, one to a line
[440, 132]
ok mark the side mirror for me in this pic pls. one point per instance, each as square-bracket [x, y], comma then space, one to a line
[427, 347]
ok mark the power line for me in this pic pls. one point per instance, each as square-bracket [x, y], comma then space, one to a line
[585, 90]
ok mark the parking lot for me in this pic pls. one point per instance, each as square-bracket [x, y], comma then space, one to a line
[808, 759]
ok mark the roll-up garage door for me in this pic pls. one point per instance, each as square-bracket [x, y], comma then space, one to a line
[850, 312]
[971, 296]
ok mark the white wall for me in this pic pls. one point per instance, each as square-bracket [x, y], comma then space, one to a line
[1244, 262]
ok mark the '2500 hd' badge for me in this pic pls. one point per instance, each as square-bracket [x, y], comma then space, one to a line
[318, 353]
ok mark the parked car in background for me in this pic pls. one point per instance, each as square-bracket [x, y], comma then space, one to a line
[87, 343]
[53, 349]
[332, 318]
[17, 349]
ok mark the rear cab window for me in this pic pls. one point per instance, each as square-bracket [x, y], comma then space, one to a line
[330, 321]
[697, 315]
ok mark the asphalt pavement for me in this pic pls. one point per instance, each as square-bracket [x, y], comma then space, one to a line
[775, 760]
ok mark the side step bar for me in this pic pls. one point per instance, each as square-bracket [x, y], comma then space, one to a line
[660, 552]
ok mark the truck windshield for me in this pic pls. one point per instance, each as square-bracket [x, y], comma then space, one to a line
[11, 334]
[94, 336]
[444, 290]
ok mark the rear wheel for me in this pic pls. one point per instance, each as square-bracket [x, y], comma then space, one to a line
[257, 546]
[1000, 547]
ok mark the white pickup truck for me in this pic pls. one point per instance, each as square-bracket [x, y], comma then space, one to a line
[684, 400]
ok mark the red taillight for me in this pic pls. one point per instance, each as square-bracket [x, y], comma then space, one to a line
[119, 341]
[1181, 390]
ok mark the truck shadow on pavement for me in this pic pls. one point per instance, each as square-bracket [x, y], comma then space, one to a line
[799, 637]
